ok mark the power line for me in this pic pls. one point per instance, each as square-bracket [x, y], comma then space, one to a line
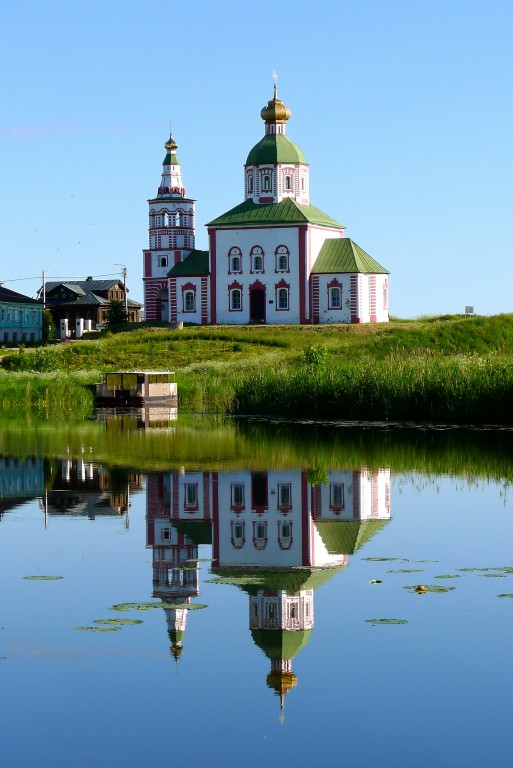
[54, 277]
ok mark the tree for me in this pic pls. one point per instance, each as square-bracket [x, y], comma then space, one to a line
[48, 331]
[116, 314]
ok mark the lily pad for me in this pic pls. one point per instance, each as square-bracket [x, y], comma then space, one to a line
[492, 575]
[98, 629]
[150, 605]
[375, 581]
[449, 576]
[43, 578]
[118, 621]
[424, 588]
[376, 622]
[199, 560]
[407, 570]
[386, 559]
[505, 595]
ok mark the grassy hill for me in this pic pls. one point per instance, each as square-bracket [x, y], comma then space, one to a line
[215, 363]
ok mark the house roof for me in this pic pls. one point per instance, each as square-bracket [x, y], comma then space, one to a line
[82, 286]
[6, 295]
[343, 255]
[196, 263]
[92, 299]
[288, 212]
[275, 148]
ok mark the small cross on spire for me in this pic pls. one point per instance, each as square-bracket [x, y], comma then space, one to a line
[275, 78]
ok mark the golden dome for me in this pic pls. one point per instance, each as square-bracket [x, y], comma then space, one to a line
[281, 682]
[171, 144]
[275, 111]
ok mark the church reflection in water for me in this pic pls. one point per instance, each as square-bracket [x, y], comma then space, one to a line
[277, 535]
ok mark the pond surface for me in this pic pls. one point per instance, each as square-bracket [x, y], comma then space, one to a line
[219, 593]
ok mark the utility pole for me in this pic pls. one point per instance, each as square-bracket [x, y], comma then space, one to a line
[123, 272]
[44, 291]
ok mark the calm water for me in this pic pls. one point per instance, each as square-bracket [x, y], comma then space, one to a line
[260, 546]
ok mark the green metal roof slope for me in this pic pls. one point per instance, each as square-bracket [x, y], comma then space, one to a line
[345, 537]
[250, 214]
[196, 263]
[199, 531]
[343, 255]
[279, 643]
[275, 148]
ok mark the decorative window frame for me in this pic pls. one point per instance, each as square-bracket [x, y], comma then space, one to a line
[385, 294]
[190, 505]
[249, 177]
[235, 286]
[235, 504]
[278, 288]
[238, 530]
[188, 288]
[285, 540]
[334, 284]
[284, 505]
[256, 252]
[234, 253]
[266, 174]
[260, 534]
[281, 252]
[338, 504]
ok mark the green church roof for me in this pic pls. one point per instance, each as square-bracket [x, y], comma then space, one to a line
[171, 159]
[253, 580]
[343, 255]
[196, 263]
[250, 214]
[279, 643]
[199, 531]
[345, 537]
[275, 148]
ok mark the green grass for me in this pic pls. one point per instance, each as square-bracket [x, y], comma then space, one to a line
[436, 368]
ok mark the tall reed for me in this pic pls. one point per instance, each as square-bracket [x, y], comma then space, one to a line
[466, 389]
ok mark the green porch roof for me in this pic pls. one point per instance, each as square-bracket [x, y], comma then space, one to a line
[196, 263]
[345, 537]
[199, 531]
[343, 255]
[275, 148]
[288, 212]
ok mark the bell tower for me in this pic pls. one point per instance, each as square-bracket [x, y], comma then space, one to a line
[171, 234]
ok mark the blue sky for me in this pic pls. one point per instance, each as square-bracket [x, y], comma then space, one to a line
[403, 109]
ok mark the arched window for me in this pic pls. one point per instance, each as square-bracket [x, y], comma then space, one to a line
[234, 260]
[189, 302]
[288, 182]
[259, 534]
[162, 261]
[237, 538]
[167, 219]
[283, 298]
[257, 259]
[282, 258]
[235, 300]
[335, 300]
[385, 295]
[266, 186]
[250, 184]
[285, 535]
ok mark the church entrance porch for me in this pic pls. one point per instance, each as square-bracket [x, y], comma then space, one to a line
[257, 304]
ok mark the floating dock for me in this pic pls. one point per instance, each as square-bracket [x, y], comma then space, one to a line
[136, 388]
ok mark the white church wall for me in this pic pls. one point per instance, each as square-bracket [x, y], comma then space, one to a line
[268, 239]
[185, 288]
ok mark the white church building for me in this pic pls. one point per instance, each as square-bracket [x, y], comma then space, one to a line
[274, 258]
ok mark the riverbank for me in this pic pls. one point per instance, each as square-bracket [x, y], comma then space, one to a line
[453, 369]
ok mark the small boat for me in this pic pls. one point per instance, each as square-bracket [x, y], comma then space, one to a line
[136, 388]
